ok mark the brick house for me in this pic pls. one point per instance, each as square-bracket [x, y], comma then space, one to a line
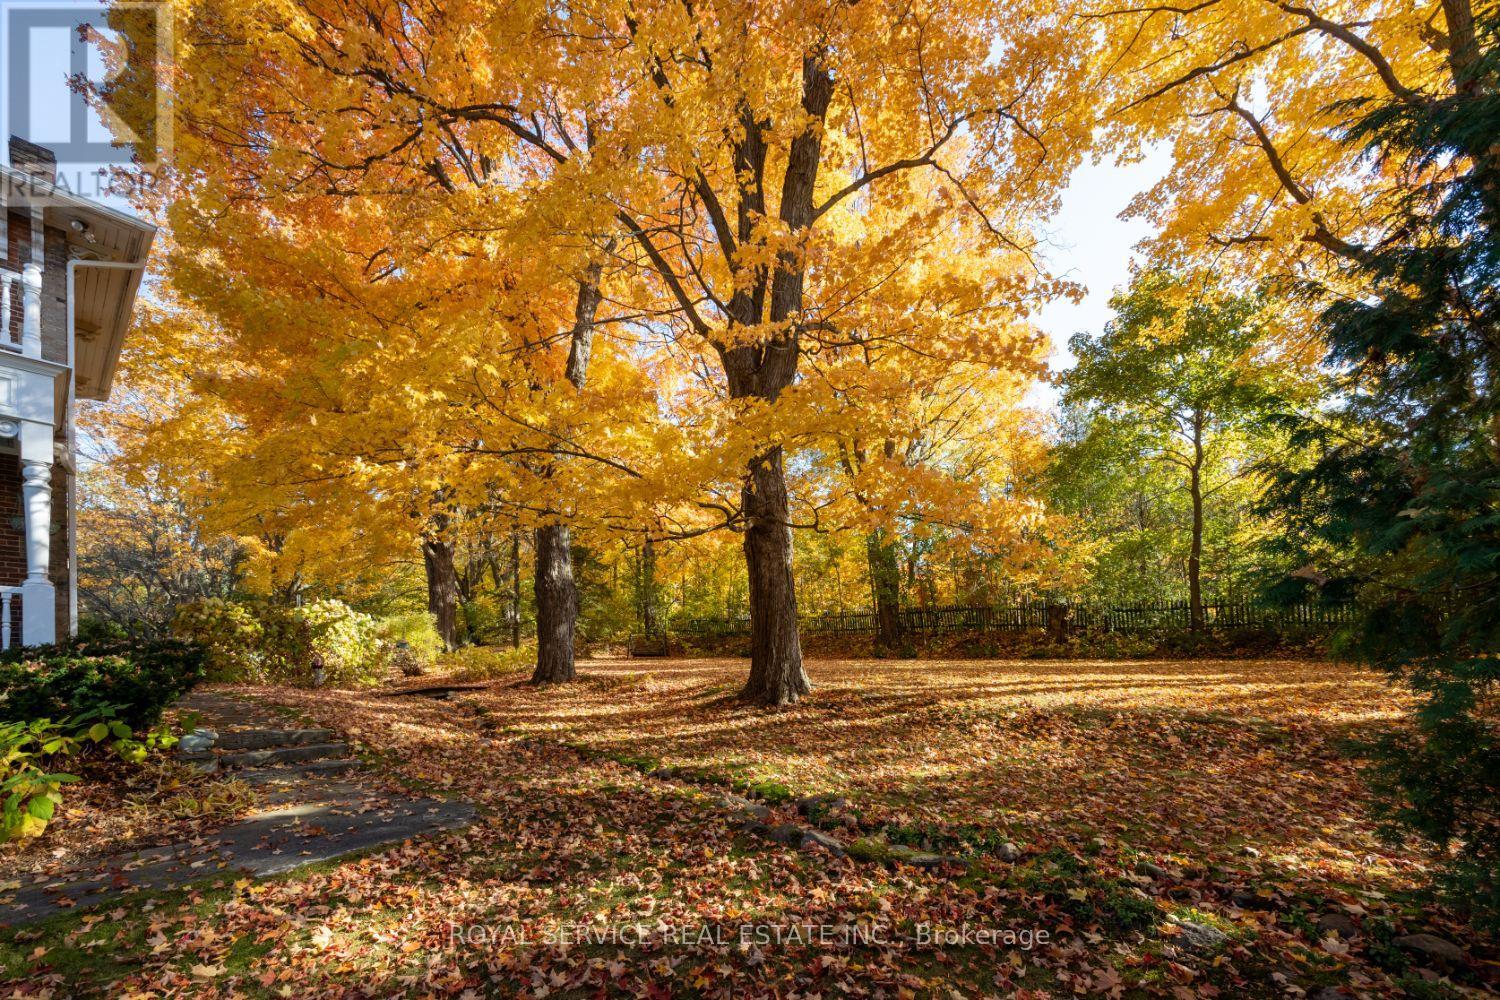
[68, 282]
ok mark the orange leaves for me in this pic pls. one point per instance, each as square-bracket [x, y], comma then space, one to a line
[1249, 94]
[382, 274]
[1091, 768]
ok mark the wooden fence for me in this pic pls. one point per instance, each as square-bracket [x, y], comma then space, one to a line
[1028, 616]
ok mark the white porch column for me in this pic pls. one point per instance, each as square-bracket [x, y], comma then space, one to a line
[38, 597]
[31, 310]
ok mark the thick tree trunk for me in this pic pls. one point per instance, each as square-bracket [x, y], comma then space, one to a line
[776, 674]
[442, 589]
[761, 370]
[556, 606]
[1195, 550]
[885, 585]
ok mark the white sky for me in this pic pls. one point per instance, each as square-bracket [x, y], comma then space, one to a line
[1090, 243]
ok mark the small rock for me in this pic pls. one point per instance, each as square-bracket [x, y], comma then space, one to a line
[782, 833]
[1199, 937]
[1149, 870]
[816, 840]
[810, 805]
[198, 741]
[922, 859]
[1337, 923]
[745, 808]
[1431, 946]
[1007, 851]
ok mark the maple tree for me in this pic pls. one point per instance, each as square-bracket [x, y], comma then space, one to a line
[720, 160]
[1253, 97]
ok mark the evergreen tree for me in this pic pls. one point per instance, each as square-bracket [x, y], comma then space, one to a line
[1409, 480]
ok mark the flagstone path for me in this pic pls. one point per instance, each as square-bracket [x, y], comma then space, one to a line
[314, 804]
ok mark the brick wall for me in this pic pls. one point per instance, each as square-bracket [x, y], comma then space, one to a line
[55, 296]
[12, 532]
[54, 282]
[17, 240]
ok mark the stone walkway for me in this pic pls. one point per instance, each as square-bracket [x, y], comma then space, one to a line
[313, 804]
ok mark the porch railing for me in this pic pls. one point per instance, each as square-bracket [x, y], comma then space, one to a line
[10, 627]
[21, 311]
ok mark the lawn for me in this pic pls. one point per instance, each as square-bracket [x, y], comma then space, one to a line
[1142, 798]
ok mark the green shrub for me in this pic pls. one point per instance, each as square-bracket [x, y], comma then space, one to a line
[284, 652]
[230, 635]
[30, 790]
[347, 641]
[267, 643]
[415, 628]
[486, 619]
[136, 681]
[477, 663]
[92, 628]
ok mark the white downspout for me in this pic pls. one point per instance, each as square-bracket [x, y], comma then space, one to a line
[68, 408]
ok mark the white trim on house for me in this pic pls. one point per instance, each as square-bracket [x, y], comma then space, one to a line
[37, 395]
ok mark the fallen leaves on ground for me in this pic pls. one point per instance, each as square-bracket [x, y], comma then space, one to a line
[1230, 784]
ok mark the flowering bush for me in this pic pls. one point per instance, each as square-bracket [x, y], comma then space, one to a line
[347, 641]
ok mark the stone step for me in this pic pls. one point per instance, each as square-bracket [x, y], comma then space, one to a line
[284, 755]
[275, 795]
[299, 772]
[264, 739]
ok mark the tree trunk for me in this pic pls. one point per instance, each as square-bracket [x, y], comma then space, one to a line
[649, 625]
[776, 674]
[556, 593]
[1195, 551]
[1057, 622]
[761, 370]
[515, 590]
[885, 585]
[442, 589]
[556, 606]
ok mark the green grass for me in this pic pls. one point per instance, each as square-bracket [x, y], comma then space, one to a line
[89, 949]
